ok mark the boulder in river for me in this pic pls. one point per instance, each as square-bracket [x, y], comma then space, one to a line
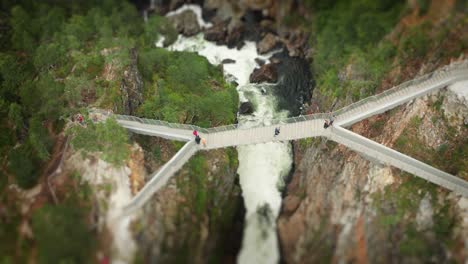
[266, 73]
[228, 61]
[216, 33]
[246, 108]
[259, 61]
[268, 43]
[186, 23]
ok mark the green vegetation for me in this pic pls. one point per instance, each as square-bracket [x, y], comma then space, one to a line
[184, 87]
[350, 33]
[450, 156]
[415, 44]
[394, 205]
[198, 174]
[9, 232]
[23, 167]
[108, 137]
[306, 143]
[61, 233]
[396, 210]
[356, 44]
[321, 246]
[211, 196]
[423, 6]
[58, 58]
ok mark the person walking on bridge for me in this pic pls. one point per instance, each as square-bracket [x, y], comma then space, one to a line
[332, 119]
[277, 131]
[195, 133]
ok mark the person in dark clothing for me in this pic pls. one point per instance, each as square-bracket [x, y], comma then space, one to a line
[326, 124]
[277, 131]
[332, 118]
[197, 139]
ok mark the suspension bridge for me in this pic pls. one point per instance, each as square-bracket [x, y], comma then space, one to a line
[304, 127]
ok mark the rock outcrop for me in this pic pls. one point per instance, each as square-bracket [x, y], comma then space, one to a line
[268, 42]
[186, 23]
[131, 86]
[246, 108]
[342, 207]
[216, 33]
[266, 73]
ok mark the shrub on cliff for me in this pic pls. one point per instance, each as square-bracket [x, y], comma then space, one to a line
[107, 137]
[185, 87]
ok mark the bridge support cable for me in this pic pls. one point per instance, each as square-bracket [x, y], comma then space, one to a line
[160, 178]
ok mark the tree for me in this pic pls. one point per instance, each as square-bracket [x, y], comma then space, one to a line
[39, 139]
[156, 27]
[15, 115]
[47, 55]
[51, 97]
[23, 167]
[61, 233]
[74, 86]
[22, 37]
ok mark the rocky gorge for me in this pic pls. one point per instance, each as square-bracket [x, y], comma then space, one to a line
[333, 208]
[70, 169]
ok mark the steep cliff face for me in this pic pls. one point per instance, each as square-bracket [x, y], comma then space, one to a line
[198, 213]
[343, 207]
[131, 86]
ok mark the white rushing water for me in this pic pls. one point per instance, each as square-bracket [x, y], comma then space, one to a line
[262, 167]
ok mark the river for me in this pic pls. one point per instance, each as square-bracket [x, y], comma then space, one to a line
[262, 167]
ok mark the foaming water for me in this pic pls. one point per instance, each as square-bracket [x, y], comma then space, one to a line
[262, 167]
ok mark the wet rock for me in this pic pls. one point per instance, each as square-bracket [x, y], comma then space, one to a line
[174, 4]
[295, 82]
[246, 108]
[186, 23]
[290, 204]
[268, 43]
[131, 86]
[216, 33]
[297, 44]
[258, 4]
[235, 36]
[266, 73]
[259, 61]
[252, 20]
[228, 61]
[267, 25]
[232, 80]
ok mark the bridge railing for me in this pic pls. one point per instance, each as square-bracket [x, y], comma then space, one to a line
[452, 70]
[442, 72]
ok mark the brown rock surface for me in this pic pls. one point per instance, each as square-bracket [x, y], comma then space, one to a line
[131, 86]
[266, 73]
[216, 33]
[186, 23]
[337, 219]
[268, 42]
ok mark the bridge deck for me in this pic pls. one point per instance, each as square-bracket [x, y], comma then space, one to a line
[305, 127]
